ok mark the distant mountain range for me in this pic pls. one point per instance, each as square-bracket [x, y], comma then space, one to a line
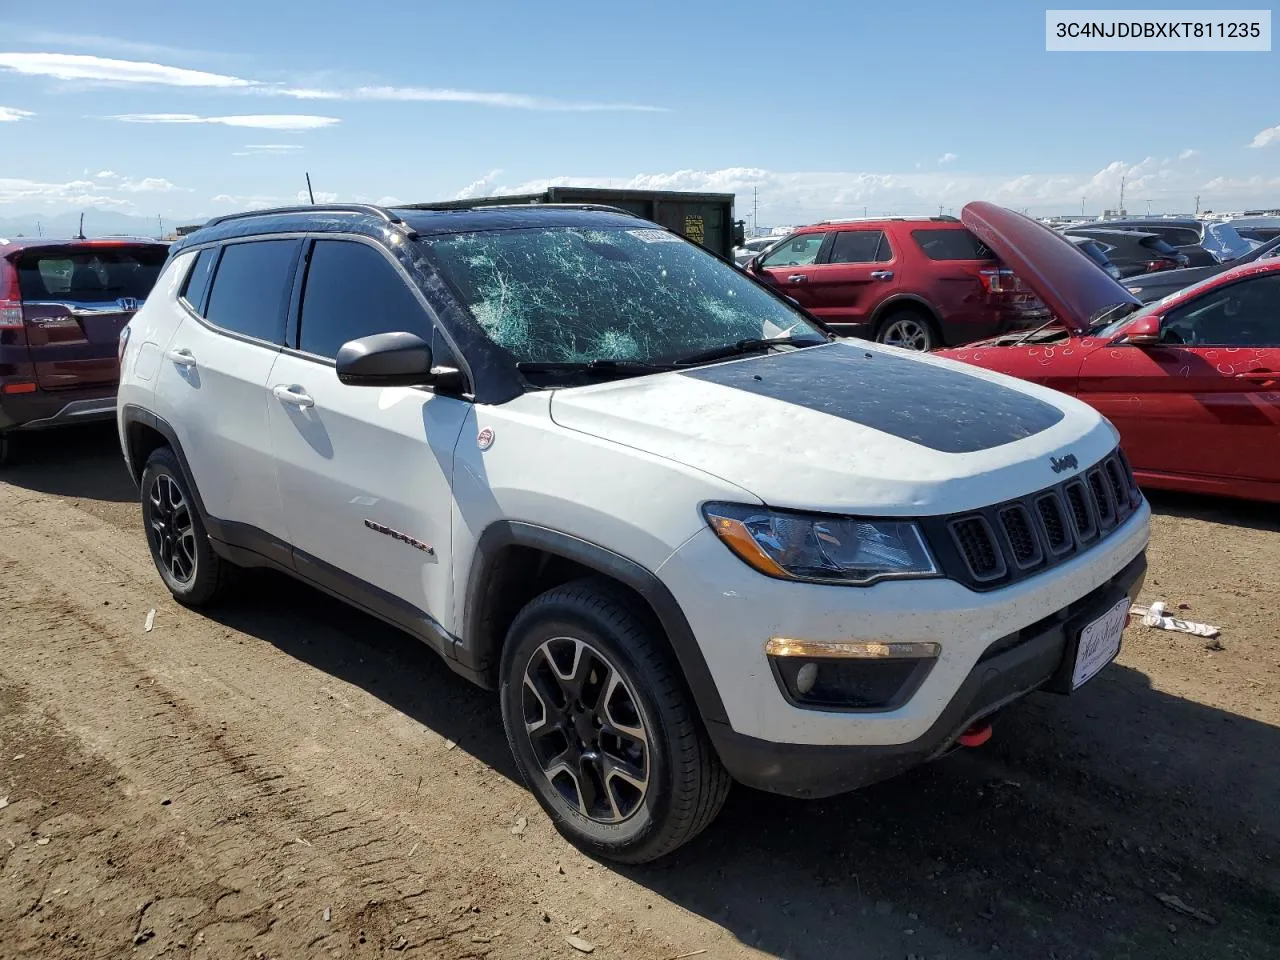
[97, 223]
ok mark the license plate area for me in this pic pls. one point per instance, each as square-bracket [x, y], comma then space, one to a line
[1098, 643]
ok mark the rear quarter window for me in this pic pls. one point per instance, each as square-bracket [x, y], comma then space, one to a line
[197, 284]
[951, 245]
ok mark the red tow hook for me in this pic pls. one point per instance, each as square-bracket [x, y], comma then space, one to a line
[975, 736]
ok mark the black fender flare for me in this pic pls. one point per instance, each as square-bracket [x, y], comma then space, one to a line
[131, 414]
[645, 583]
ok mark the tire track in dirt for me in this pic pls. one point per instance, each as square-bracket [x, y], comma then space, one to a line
[262, 794]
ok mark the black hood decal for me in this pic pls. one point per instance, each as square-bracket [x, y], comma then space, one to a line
[945, 410]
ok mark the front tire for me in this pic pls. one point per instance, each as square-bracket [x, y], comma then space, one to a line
[910, 330]
[602, 727]
[180, 547]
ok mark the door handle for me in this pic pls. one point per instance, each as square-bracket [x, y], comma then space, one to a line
[797, 278]
[881, 274]
[182, 357]
[293, 395]
[1266, 378]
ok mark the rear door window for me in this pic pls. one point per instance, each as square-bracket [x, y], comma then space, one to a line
[91, 274]
[951, 245]
[860, 246]
[353, 291]
[251, 287]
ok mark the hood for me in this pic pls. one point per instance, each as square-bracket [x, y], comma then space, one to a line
[845, 427]
[1076, 289]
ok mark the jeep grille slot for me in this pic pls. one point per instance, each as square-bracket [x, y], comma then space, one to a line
[1008, 541]
[1024, 545]
[978, 547]
[1106, 507]
[1082, 511]
[1053, 520]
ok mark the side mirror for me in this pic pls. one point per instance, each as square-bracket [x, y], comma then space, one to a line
[1144, 332]
[754, 264]
[385, 360]
[739, 232]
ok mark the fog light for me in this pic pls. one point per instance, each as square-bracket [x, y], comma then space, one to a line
[806, 677]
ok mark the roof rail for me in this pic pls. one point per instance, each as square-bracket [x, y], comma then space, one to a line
[922, 218]
[367, 208]
[447, 205]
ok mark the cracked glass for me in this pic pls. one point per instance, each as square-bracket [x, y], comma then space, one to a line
[572, 295]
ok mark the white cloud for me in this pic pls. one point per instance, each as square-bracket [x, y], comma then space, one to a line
[518, 101]
[1186, 154]
[259, 121]
[1266, 137]
[74, 193]
[84, 68]
[107, 175]
[267, 149]
[234, 202]
[800, 197]
[76, 66]
[13, 114]
[476, 187]
[948, 157]
[148, 185]
[322, 196]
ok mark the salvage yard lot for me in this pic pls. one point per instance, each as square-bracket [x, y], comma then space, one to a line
[289, 778]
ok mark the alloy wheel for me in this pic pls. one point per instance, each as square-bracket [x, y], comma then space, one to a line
[586, 730]
[908, 333]
[171, 528]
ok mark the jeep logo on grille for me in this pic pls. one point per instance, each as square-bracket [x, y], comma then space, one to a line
[1069, 462]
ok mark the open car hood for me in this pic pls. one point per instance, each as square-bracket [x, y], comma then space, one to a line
[1075, 288]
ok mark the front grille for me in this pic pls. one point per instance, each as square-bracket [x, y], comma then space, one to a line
[1008, 541]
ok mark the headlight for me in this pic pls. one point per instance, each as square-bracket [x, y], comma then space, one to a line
[825, 549]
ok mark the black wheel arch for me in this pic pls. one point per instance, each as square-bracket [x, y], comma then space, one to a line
[511, 552]
[144, 432]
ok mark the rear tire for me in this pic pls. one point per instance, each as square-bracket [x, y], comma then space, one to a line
[910, 330]
[602, 727]
[179, 544]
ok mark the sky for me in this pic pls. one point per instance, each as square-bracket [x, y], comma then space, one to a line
[826, 109]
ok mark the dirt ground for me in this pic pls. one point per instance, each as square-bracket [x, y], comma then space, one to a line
[286, 778]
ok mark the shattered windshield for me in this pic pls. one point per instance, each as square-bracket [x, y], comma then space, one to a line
[573, 295]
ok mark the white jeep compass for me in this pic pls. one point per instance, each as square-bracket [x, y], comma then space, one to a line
[686, 534]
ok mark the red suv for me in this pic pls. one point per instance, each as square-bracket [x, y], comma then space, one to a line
[62, 306]
[914, 282]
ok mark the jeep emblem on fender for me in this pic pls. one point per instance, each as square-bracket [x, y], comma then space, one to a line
[128, 303]
[484, 439]
[1059, 464]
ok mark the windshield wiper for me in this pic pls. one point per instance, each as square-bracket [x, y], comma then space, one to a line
[746, 346]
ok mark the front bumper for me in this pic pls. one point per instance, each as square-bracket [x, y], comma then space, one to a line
[1037, 657]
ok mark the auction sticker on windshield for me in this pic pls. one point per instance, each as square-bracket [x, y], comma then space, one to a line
[654, 236]
[1099, 643]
